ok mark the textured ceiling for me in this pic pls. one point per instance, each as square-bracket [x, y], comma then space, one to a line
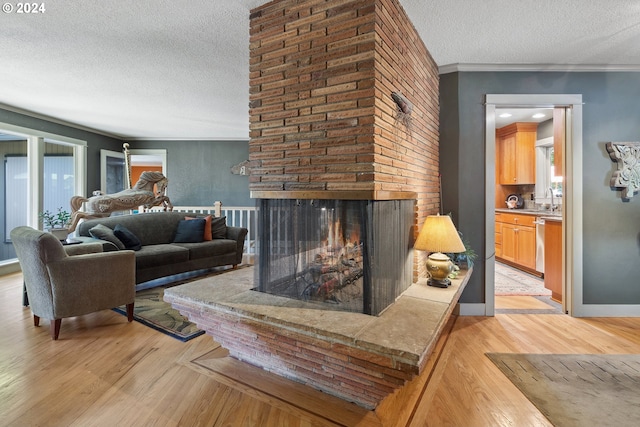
[179, 69]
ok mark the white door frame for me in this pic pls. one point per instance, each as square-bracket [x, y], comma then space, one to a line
[159, 155]
[572, 188]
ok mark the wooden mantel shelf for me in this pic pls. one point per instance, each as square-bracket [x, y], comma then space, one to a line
[334, 195]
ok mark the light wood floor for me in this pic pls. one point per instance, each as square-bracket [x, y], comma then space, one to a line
[106, 372]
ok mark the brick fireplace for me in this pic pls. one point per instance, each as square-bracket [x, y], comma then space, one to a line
[325, 131]
[323, 123]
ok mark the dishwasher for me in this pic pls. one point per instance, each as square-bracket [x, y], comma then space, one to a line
[539, 222]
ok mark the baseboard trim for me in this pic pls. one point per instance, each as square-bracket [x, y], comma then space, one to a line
[9, 268]
[606, 310]
[472, 309]
[584, 310]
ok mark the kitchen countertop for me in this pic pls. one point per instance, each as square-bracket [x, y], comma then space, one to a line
[547, 215]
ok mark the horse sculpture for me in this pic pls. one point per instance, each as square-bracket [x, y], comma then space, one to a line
[141, 194]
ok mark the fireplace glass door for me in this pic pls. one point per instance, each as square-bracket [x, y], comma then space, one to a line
[333, 252]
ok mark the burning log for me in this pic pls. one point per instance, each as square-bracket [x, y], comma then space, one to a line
[326, 287]
[331, 271]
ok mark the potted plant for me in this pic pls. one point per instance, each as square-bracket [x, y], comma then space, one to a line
[56, 223]
[464, 258]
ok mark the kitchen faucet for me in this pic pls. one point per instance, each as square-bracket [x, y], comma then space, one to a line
[553, 207]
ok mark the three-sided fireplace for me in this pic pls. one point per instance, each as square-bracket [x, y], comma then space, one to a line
[350, 255]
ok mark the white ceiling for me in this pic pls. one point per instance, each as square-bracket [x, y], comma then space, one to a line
[155, 69]
[505, 116]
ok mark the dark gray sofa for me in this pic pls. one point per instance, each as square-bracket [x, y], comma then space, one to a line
[159, 256]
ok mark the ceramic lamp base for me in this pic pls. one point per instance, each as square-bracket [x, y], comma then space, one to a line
[439, 266]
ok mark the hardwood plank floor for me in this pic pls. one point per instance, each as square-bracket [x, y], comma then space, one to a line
[520, 303]
[104, 371]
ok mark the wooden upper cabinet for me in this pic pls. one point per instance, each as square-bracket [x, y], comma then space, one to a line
[507, 159]
[559, 135]
[515, 150]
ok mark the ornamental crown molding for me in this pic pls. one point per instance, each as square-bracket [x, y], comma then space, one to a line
[563, 68]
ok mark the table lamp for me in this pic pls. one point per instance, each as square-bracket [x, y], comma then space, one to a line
[438, 235]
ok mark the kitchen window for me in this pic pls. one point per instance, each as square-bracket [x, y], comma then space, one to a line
[545, 178]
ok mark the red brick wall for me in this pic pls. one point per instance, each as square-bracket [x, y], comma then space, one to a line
[321, 112]
[339, 368]
[312, 95]
[406, 156]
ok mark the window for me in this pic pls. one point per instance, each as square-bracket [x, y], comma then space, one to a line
[40, 171]
[545, 178]
[555, 182]
[58, 185]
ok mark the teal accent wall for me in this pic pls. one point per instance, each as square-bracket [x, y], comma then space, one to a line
[199, 172]
[611, 226]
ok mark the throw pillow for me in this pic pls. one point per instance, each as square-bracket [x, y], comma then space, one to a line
[219, 228]
[190, 231]
[207, 226]
[127, 237]
[105, 233]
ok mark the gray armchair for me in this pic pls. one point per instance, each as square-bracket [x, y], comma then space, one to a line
[61, 286]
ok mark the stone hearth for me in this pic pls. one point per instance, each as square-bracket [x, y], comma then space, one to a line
[353, 356]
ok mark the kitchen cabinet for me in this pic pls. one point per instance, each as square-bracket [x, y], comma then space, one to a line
[553, 258]
[519, 245]
[517, 239]
[515, 152]
[498, 235]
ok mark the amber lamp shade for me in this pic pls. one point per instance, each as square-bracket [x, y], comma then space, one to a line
[438, 235]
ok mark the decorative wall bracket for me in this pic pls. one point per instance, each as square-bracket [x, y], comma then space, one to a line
[242, 168]
[627, 177]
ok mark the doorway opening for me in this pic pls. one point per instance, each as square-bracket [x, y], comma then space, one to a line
[113, 175]
[500, 233]
[525, 173]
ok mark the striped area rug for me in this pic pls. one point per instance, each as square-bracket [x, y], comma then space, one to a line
[151, 310]
[577, 389]
[510, 281]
